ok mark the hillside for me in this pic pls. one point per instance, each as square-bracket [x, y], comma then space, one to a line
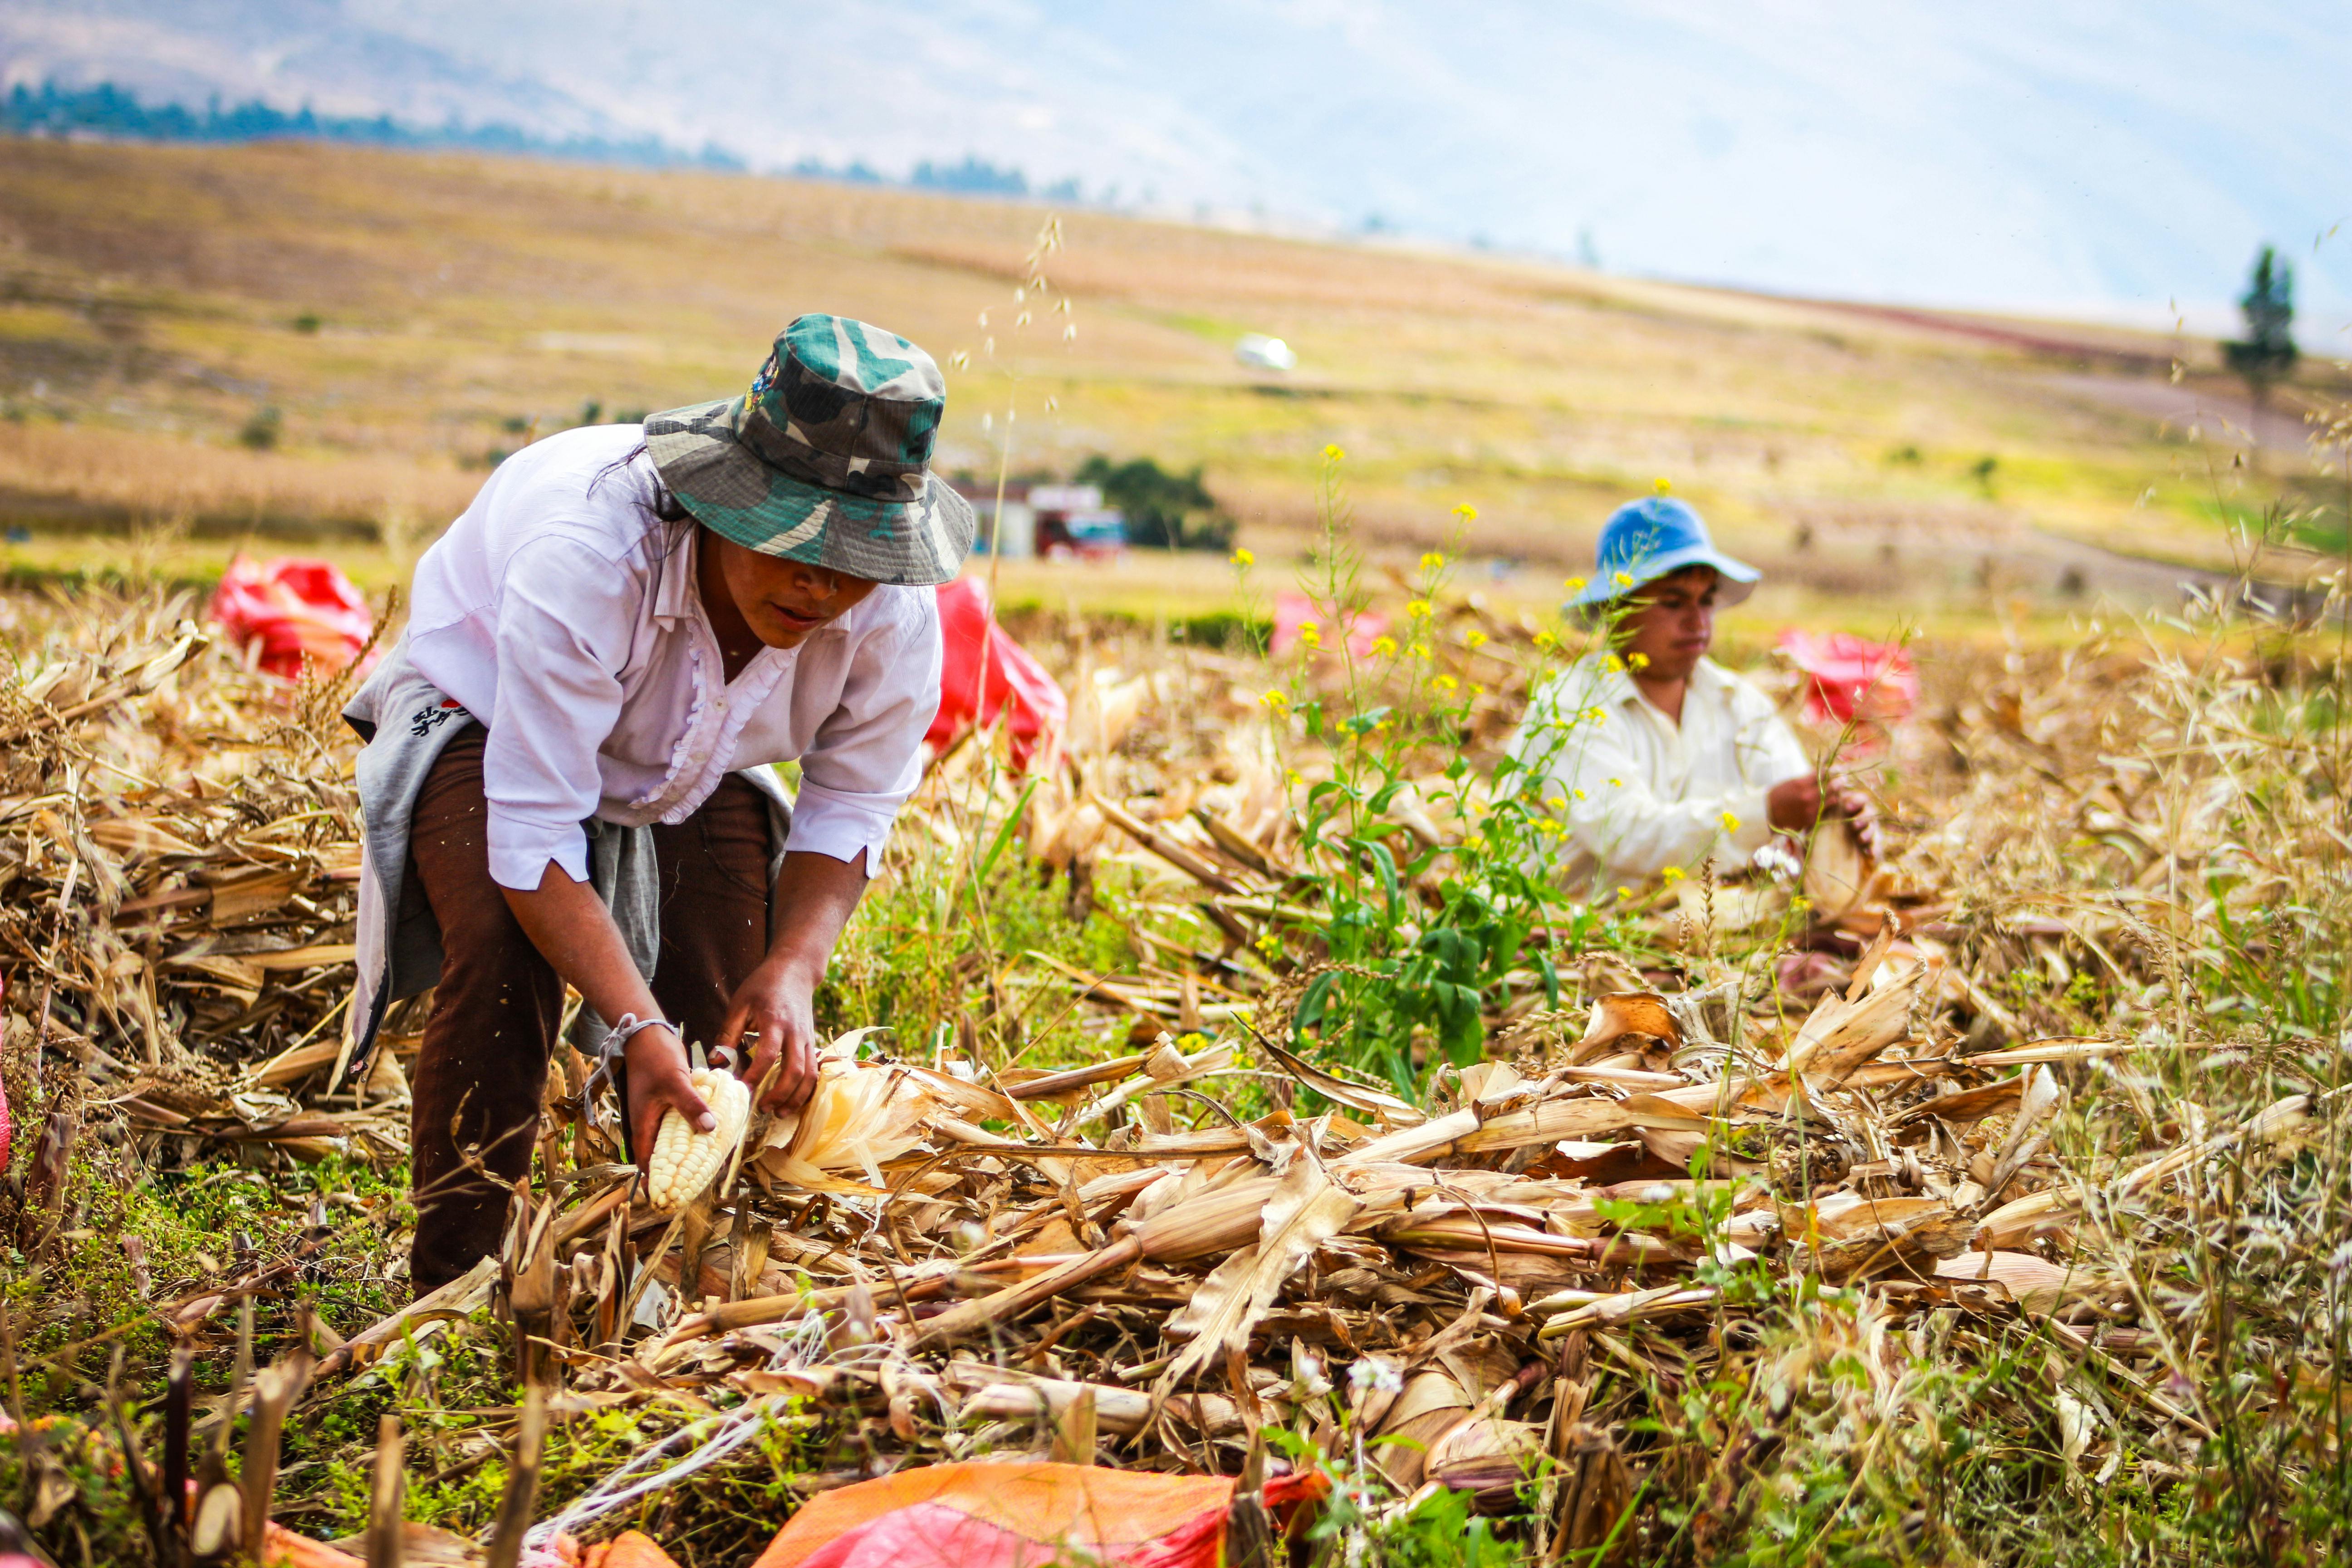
[409, 316]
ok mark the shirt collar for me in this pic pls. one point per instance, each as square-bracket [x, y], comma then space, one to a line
[1616, 688]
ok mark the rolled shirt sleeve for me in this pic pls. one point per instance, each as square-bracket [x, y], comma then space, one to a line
[559, 696]
[867, 758]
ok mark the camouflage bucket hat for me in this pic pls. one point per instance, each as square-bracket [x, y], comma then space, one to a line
[826, 459]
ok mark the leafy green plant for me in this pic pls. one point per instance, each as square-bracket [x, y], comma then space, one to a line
[1415, 939]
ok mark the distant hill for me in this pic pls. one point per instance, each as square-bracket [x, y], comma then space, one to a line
[2012, 155]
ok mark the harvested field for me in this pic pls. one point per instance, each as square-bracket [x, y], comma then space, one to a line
[1224, 1098]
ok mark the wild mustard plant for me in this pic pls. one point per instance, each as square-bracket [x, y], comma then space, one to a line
[1419, 935]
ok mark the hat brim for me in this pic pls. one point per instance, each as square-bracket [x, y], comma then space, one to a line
[729, 490]
[1735, 580]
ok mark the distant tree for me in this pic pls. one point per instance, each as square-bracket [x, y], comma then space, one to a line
[2267, 353]
[1163, 510]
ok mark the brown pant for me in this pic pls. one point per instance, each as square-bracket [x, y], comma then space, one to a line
[483, 1065]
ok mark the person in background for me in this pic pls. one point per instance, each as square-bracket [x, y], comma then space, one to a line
[568, 776]
[1651, 756]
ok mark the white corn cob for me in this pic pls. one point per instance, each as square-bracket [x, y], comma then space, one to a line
[685, 1162]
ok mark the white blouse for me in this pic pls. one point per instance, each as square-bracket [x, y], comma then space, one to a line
[561, 613]
[1639, 791]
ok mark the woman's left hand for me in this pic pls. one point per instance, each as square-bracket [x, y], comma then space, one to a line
[772, 1003]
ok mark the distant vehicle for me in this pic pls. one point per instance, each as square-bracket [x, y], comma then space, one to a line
[1073, 521]
[1261, 352]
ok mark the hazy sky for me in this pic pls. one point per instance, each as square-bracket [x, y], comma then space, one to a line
[2065, 155]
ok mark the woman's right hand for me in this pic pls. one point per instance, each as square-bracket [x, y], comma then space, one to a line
[658, 1084]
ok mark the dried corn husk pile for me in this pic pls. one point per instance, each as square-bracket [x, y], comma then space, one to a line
[951, 1267]
[1135, 1261]
[178, 862]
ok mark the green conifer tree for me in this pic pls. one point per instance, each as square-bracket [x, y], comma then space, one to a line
[2266, 355]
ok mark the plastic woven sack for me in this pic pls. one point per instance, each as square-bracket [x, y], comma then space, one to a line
[984, 670]
[281, 610]
[1010, 1516]
[1851, 680]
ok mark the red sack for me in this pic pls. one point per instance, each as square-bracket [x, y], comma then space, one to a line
[1851, 680]
[292, 606]
[1012, 677]
[1018, 1515]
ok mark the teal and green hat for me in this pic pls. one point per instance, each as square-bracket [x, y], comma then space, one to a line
[827, 457]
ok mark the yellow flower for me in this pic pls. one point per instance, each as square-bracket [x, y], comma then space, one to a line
[1799, 904]
[1383, 646]
[1574, 584]
[1624, 579]
[1548, 826]
[1672, 873]
[1432, 562]
[1465, 512]
[1579, 794]
[1546, 640]
[1310, 633]
[1731, 822]
[1612, 664]
[1624, 892]
[1331, 454]
[1269, 944]
[1293, 778]
[1419, 650]
[1418, 609]
[1664, 485]
[1558, 803]
[1476, 639]
[1243, 559]
[1616, 783]
[1447, 683]
[1637, 661]
[1275, 701]
[1598, 714]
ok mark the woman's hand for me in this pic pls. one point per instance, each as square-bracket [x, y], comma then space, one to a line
[773, 1004]
[658, 1083]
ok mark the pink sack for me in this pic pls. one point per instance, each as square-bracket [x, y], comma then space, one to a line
[1851, 680]
[292, 606]
[1013, 679]
[1293, 610]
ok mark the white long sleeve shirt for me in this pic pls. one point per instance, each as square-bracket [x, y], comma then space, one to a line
[561, 613]
[1639, 791]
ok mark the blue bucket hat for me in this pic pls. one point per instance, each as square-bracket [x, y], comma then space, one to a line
[1656, 537]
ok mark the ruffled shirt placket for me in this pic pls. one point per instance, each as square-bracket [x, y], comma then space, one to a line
[713, 723]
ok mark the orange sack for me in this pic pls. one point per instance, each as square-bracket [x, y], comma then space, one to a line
[1009, 1515]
